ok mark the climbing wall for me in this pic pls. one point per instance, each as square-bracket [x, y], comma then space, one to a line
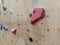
[16, 27]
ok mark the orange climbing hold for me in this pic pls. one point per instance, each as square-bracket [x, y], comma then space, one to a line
[14, 31]
[38, 13]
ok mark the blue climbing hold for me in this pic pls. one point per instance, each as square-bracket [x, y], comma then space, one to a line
[5, 28]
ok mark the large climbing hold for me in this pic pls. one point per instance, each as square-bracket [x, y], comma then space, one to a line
[38, 13]
[14, 31]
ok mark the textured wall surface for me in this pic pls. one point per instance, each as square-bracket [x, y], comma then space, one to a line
[17, 15]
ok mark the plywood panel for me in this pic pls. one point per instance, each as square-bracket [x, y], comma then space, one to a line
[44, 32]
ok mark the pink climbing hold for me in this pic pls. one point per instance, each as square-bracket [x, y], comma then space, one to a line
[14, 31]
[38, 13]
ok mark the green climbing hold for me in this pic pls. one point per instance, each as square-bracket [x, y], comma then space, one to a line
[4, 8]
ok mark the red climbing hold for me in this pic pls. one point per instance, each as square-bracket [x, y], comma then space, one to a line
[14, 31]
[38, 13]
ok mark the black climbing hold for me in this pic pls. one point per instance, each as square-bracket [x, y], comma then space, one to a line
[30, 39]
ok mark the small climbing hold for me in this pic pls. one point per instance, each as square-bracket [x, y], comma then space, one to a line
[4, 8]
[10, 11]
[14, 31]
[5, 27]
[38, 13]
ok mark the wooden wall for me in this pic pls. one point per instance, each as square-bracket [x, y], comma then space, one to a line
[44, 32]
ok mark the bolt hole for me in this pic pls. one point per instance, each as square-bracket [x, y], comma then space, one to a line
[47, 29]
[30, 14]
[47, 15]
[30, 39]
[28, 30]
[18, 24]
[41, 23]
[17, 15]
[34, 11]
